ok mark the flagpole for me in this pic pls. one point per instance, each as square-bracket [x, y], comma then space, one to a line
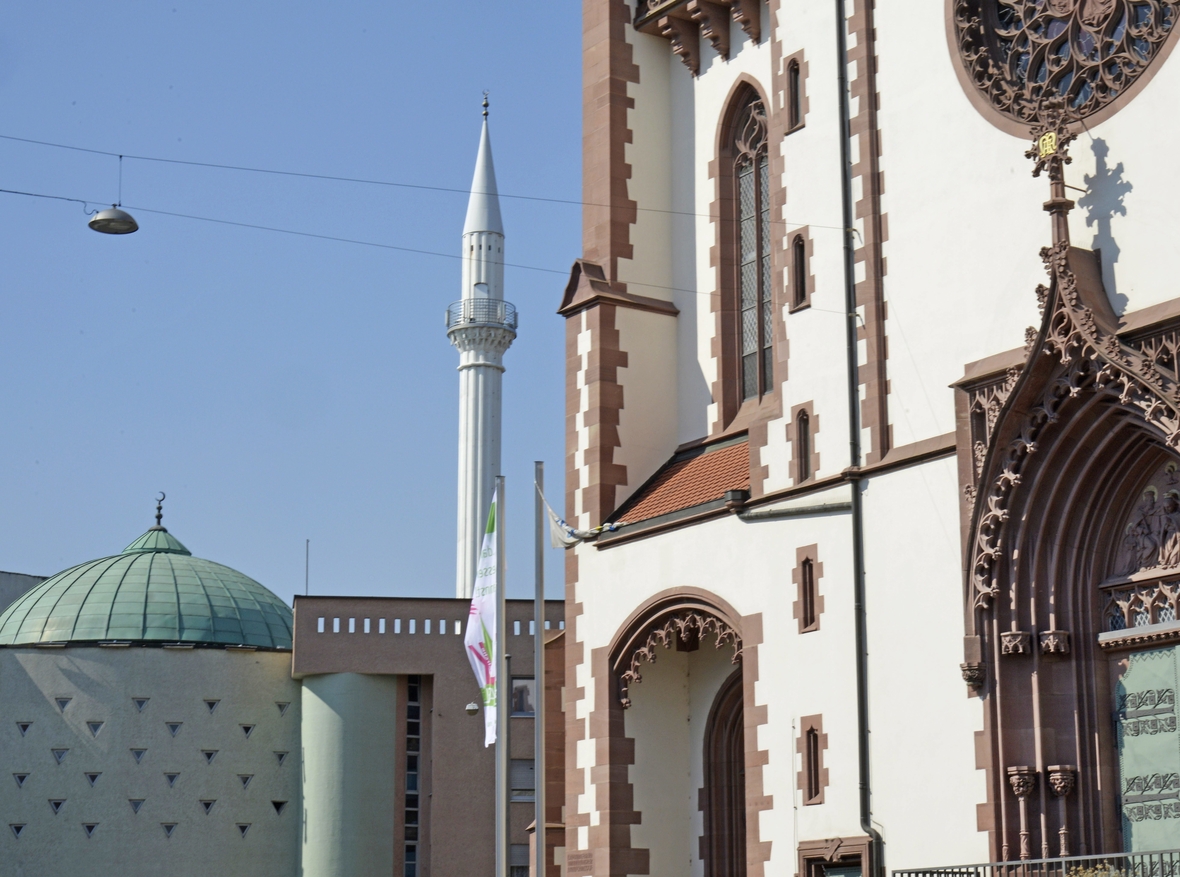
[503, 689]
[539, 833]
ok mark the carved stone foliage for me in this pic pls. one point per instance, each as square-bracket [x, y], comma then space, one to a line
[974, 674]
[1023, 780]
[1054, 642]
[1062, 778]
[687, 627]
[986, 400]
[1015, 642]
[686, 22]
[1078, 330]
[1020, 53]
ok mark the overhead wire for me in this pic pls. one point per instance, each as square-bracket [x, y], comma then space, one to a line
[388, 183]
[344, 240]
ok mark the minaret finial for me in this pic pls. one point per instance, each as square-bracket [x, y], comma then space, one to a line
[485, 103]
[160, 509]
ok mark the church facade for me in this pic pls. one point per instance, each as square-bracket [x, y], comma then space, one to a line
[872, 366]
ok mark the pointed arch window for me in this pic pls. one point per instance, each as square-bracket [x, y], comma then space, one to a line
[755, 324]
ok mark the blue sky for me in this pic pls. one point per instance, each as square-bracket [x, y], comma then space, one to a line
[277, 387]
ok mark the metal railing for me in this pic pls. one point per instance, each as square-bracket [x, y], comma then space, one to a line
[481, 312]
[1162, 863]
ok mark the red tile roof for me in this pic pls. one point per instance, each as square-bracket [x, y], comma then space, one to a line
[690, 479]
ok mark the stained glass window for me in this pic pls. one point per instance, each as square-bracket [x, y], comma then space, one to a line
[1086, 52]
[755, 297]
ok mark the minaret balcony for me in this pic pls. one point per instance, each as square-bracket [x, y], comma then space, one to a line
[477, 312]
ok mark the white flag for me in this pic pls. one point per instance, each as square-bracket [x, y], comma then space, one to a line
[480, 639]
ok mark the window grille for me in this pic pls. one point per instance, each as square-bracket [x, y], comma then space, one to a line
[755, 301]
[522, 773]
[413, 748]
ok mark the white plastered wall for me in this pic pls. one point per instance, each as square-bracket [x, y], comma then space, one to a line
[750, 566]
[923, 720]
[647, 423]
[101, 683]
[816, 341]
[966, 222]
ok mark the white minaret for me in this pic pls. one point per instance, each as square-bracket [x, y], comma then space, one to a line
[482, 326]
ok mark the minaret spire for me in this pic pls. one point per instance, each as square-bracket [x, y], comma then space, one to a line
[482, 326]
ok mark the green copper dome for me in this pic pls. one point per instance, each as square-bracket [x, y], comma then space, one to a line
[154, 591]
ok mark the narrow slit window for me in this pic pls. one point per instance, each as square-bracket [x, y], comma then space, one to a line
[799, 271]
[380, 625]
[812, 768]
[807, 574]
[335, 625]
[803, 444]
[320, 625]
[795, 92]
[397, 625]
[352, 625]
[368, 625]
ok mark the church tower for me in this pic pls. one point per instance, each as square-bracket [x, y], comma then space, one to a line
[482, 326]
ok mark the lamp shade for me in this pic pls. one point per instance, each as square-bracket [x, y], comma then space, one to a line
[114, 221]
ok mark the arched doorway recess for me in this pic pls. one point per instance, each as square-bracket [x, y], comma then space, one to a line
[686, 735]
[1073, 498]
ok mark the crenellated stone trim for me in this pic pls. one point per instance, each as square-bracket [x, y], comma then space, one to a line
[870, 293]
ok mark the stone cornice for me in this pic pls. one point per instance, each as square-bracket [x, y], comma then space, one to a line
[588, 286]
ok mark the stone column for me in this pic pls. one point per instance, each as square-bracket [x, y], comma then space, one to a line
[1023, 780]
[1061, 779]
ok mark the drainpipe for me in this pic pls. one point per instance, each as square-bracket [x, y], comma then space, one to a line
[854, 455]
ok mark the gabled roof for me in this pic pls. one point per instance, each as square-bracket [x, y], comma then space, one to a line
[690, 478]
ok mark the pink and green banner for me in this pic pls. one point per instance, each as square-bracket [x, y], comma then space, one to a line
[480, 638]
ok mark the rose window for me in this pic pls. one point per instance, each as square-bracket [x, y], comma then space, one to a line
[1089, 53]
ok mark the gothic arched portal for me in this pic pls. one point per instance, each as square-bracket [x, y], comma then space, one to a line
[1073, 574]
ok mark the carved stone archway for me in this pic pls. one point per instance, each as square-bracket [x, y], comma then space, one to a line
[672, 617]
[1061, 449]
[683, 624]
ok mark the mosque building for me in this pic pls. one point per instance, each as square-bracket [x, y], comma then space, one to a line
[150, 715]
[162, 713]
